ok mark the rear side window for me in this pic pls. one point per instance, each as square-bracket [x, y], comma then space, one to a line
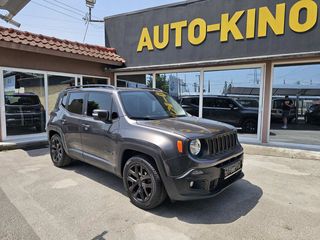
[190, 101]
[223, 103]
[100, 101]
[22, 100]
[75, 102]
[209, 102]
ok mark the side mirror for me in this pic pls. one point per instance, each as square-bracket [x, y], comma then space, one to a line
[101, 115]
[114, 115]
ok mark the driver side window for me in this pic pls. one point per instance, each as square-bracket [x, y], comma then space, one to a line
[100, 101]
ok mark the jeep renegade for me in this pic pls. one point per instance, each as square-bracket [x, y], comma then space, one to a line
[146, 138]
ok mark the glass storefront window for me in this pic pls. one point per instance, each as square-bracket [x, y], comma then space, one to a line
[56, 84]
[135, 81]
[295, 113]
[232, 96]
[93, 80]
[183, 87]
[24, 102]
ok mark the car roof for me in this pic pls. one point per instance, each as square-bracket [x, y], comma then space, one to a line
[22, 94]
[109, 88]
[197, 96]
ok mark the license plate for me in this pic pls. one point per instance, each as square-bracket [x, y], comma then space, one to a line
[230, 170]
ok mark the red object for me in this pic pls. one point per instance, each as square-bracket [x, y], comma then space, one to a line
[51, 43]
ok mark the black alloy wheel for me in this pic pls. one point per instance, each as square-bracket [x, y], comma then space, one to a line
[142, 183]
[139, 183]
[57, 152]
[249, 126]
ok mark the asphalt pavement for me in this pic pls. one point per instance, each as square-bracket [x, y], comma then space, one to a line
[279, 198]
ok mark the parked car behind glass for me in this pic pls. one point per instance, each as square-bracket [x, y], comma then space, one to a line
[24, 110]
[312, 116]
[223, 109]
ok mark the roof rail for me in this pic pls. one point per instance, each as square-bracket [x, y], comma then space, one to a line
[93, 86]
[151, 88]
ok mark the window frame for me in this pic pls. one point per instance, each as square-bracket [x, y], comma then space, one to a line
[87, 101]
[83, 106]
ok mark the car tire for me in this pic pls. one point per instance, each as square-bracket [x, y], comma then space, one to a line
[142, 183]
[249, 126]
[58, 155]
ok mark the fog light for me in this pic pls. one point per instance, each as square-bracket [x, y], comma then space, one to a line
[191, 184]
[197, 172]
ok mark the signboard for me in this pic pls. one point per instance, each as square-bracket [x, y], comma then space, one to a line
[207, 30]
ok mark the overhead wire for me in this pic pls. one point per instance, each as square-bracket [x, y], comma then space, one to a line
[73, 11]
[64, 8]
[55, 10]
[76, 9]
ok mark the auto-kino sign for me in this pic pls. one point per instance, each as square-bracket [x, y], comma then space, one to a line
[212, 31]
[258, 20]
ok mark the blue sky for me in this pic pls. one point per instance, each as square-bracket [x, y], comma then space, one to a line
[68, 24]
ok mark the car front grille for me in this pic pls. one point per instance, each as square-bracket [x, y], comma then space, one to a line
[223, 143]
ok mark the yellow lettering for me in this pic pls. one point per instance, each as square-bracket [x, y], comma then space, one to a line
[229, 25]
[251, 23]
[311, 16]
[145, 41]
[177, 26]
[213, 27]
[202, 25]
[276, 23]
[156, 36]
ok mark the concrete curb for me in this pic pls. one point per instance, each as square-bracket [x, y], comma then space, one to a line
[5, 146]
[280, 152]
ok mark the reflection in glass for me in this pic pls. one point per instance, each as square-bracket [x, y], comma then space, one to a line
[232, 96]
[295, 115]
[135, 81]
[24, 103]
[56, 84]
[94, 80]
[183, 87]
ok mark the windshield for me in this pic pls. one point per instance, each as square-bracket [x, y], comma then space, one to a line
[148, 105]
[21, 100]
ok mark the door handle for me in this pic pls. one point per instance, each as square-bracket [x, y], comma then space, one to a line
[85, 126]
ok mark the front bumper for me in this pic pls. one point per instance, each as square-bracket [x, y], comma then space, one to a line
[207, 182]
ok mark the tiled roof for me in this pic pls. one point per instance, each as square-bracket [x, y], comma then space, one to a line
[52, 43]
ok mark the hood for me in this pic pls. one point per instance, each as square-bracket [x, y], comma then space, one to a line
[189, 127]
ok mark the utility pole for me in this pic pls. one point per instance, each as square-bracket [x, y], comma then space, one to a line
[90, 4]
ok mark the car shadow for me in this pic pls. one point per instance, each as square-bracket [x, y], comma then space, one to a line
[37, 150]
[98, 175]
[235, 202]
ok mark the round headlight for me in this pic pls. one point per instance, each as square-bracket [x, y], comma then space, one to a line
[195, 147]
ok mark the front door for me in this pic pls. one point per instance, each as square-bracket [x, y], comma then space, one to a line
[98, 137]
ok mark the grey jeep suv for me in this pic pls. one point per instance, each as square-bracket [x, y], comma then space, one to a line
[145, 137]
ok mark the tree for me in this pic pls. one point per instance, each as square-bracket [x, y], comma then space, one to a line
[162, 83]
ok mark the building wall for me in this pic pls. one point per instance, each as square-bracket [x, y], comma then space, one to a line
[15, 58]
[36, 61]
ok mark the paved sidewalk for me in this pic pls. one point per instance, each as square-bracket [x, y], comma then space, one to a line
[278, 199]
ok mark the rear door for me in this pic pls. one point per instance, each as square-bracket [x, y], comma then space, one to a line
[98, 137]
[71, 124]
